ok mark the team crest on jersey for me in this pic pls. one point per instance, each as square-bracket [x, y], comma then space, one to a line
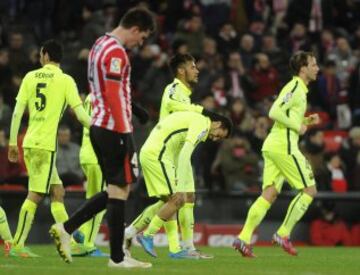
[115, 65]
[287, 97]
[201, 135]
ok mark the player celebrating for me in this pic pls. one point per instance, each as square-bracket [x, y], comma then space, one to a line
[176, 98]
[166, 162]
[45, 92]
[111, 134]
[283, 159]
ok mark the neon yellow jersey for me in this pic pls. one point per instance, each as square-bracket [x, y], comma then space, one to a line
[46, 92]
[169, 135]
[87, 154]
[176, 98]
[288, 113]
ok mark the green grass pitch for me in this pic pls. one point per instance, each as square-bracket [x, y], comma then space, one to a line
[270, 260]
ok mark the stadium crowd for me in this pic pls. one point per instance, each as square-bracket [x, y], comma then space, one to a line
[242, 49]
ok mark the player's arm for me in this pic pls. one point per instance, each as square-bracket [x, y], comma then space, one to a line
[19, 109]
[140, 112]
[280, 111]
[74, 100]
[176, 105]
[82, 116]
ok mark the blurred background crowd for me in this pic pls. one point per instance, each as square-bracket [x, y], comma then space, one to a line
[242, 48]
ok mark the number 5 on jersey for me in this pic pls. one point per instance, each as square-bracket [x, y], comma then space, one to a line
[41, 102]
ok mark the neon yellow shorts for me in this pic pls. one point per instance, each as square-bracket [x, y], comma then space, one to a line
[95, 182]
[294, 168]
[41, 168]
[160, 176]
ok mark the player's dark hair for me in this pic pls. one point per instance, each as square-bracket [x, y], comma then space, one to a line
[227, 124]
[139, 17]
[54, 49]
[299, 60]
[178, 60]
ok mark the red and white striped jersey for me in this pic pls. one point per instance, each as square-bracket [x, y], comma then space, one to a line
[109, 83]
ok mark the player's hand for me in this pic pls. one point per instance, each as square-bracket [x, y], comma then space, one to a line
[303, 129]
[313, 119]
[13, 154]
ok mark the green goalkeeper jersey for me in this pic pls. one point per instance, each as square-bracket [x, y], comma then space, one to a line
[87, 154]
[176, 98]
[288, 113]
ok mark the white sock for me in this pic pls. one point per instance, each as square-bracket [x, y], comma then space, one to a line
[130, 232]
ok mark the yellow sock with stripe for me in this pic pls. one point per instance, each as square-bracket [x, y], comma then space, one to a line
[26, 217]
[254, 217]
[171, 229]
[91, 229]
[58, 211]
[296, 210]
[154, 226]
[143, 220]
[5, 232]
[186, 220]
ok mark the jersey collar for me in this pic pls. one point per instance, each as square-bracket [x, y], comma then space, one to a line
[302, 83]
[52, 67]
[183, 87]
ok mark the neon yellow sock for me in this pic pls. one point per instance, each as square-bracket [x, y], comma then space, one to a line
[296, 210]
[26, 217]
[154, 226]
[254, 217]
[5, 232]
[58, 211]
[171, 228]
[143, 220]
[186, 219]
[91, 230]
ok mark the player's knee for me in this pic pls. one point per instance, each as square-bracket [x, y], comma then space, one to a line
[57, 193]
[190, 197]
[178, 199]
[35, 197]
[270, 194]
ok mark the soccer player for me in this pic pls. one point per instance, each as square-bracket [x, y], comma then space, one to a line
[166, 162]
[111, 134]
[176, 98]
[5, 232]
[45, 92]
[95, 183]
[283, 159]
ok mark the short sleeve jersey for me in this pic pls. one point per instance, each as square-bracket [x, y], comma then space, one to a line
[87, 154]
[46, 92]
[292, 102]
[170, 134]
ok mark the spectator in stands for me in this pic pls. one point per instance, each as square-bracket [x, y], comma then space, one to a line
[298, 39]
[337, 180]
[265, 78]
[192, 31]
[354, 95]
[329, 229]
[17, 53]
[313, 148]
[238, 164]
[67, 161]
[326, 45]
[238, 84]
[279, 58]
[211, 56]
[328, 89]
[350, 154]
[180, 46]
[345, 61]
[260, 131]
[247, 50]
[5, 115]
[241, 116]
[217, 88]
[227, 39]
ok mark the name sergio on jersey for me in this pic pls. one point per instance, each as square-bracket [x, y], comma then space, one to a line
[44, 75]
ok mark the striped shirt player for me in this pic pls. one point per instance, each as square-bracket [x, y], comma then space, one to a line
[111, 132]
